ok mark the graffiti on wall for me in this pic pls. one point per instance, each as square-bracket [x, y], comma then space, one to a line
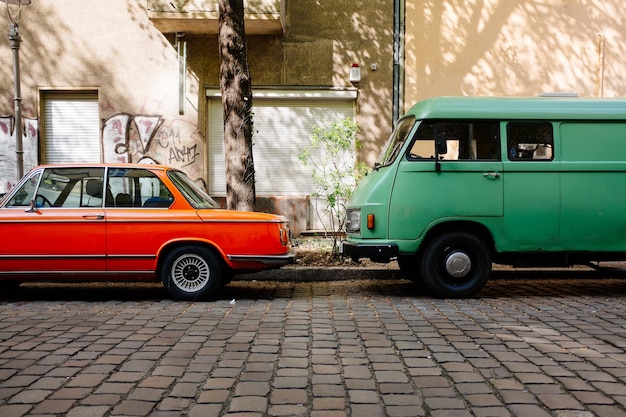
[8, 158]
[125, 138]
[148, 139]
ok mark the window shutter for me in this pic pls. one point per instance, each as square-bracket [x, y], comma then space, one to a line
[282, 129]
[71, 127]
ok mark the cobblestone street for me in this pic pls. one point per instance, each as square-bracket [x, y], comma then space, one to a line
[360, 348]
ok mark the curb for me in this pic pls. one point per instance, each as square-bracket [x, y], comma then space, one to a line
[312, 274]
[339, 273]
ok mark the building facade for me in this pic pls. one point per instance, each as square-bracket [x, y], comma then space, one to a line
[138, 80]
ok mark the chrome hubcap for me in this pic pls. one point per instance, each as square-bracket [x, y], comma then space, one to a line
[190, 272]
[458, 264]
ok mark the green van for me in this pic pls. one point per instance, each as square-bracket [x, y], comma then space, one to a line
[466, 181]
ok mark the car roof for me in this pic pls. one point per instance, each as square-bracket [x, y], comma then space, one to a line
[106, 165]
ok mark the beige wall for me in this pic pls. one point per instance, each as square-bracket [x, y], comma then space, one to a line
[113, 47]
[327, 37]
[503, 47]
[453, 47]
[459, 47]
[322, 40]
[110, 46]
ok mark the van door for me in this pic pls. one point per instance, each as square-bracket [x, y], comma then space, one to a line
[531, 192]
[464, 182]
[593, 195]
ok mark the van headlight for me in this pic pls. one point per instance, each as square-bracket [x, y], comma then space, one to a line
[353, 220]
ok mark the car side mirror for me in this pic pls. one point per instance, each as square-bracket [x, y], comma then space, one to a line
[33, 207]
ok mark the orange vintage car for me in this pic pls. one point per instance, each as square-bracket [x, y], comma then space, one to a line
[132, 222]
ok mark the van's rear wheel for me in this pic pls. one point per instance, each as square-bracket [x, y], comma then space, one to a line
[455, 265]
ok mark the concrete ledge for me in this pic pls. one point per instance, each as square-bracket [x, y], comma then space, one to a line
[391, 271]
[311, 274]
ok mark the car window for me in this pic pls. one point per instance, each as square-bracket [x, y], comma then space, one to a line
[63, 187]
[26, 192]
[465, 140]
[133, 187]
[196, 196]
[529, 141]
[72, 188]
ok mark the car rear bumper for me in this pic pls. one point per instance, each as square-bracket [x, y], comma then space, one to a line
[273, 261]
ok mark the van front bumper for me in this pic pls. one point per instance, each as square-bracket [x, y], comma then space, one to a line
[383, 253]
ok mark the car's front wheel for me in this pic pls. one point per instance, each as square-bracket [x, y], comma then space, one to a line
[191, 273]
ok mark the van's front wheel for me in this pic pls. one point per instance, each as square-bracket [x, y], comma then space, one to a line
[455, 265]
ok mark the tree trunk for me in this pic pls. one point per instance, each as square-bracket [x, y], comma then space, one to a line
[236, 88]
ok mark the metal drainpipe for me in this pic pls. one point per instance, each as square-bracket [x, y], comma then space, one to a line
[14, 38]
[398, 59]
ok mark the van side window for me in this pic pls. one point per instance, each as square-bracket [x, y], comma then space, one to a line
[528, 141]
[466, 140]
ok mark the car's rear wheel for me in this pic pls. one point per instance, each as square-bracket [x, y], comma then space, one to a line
[191, 273]
[455, 265]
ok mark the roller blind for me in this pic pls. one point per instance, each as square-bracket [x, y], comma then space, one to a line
[71, 127]
[282, 129]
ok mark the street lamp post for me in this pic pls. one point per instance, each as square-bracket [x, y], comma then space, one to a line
[14, 39]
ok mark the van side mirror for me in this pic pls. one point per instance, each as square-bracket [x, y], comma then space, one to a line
[441, 144]
[441, 148]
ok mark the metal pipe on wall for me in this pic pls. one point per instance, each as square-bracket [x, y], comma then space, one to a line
[181, 47]
[398, 59]
[15, 40]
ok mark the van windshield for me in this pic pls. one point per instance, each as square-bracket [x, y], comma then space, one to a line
[395, 142]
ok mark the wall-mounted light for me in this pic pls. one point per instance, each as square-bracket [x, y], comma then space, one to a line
[355, 73]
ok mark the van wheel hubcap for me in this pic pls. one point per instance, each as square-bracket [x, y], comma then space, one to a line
[458, 264]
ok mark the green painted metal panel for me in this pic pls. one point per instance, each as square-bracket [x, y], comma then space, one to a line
[516, 108]
[573, 200]
[423, 196]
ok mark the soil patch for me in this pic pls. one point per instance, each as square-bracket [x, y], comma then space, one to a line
[316, 251]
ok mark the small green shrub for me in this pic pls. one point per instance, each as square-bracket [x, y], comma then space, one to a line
[336, 171]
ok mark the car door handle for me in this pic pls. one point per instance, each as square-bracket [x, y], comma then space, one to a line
[491, 174]
[93, 216]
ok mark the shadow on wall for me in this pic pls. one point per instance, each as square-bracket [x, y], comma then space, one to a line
[514, 48]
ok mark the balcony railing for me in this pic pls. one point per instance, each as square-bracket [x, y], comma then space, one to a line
[200, 17]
